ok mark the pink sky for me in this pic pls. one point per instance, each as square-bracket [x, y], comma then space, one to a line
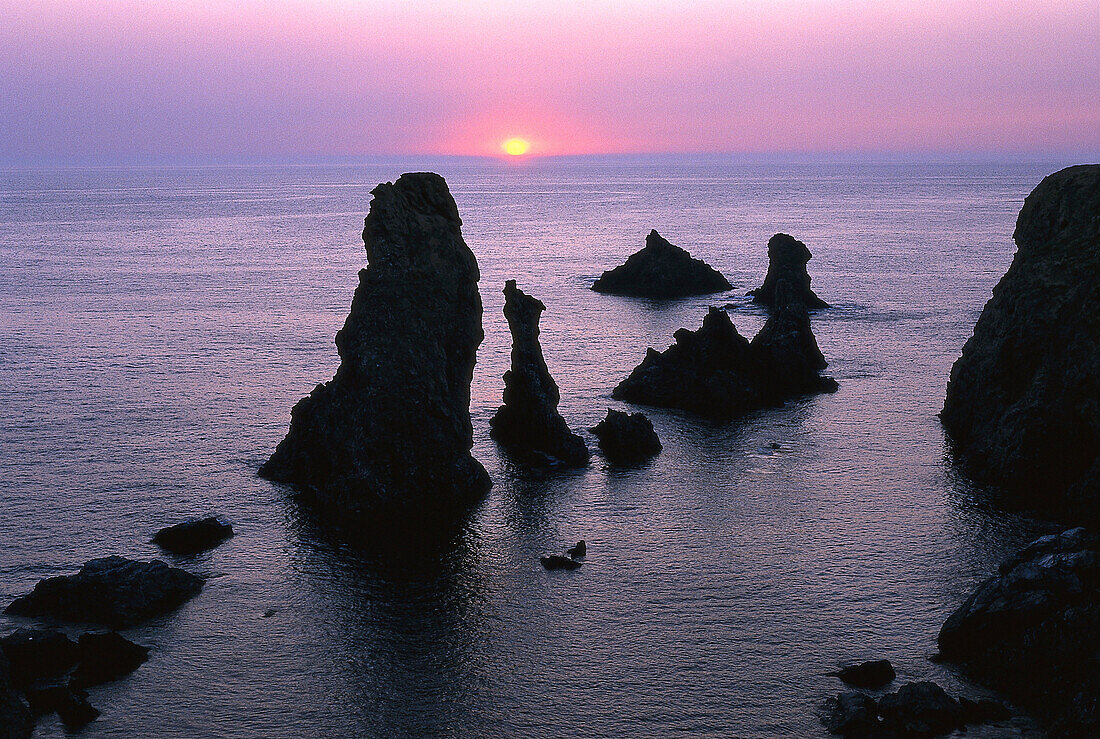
[343, 77]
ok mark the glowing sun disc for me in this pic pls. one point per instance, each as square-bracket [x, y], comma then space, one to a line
[516, 147]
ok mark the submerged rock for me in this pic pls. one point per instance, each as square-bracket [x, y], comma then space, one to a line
[106, 656]
[627, 438]
[38, 654]
[873, 674]
[787, 257]
[392, 428]
[1033, 631]
[529, 420]
[717, 373]
[194, 536]
[558, 562]
[661, 270]
[1023, 402]
[15, 720]
[114, 591]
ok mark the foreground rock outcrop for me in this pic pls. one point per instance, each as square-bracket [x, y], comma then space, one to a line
[1033, 631]
[15, 718]
[661, 270]
[194, 536]
[1023, 402]
[627, 438]
[920, 709]
[717, 373]
[787, 258]
[392, 428]
[113, 591]
[529, 421]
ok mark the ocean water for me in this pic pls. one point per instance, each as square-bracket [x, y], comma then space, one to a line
[157, 325]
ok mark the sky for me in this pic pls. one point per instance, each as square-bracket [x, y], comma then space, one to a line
[298, 78]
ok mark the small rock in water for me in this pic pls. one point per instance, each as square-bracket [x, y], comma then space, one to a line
[558, 562]
[106, 656]
[580, 550]
[873, 674]
[920, 709]
[194, 536]
[661, 270]
[69, 703]
[113, 591]
[38, 654]
[270, 612]
[627, 438]
[850, 714]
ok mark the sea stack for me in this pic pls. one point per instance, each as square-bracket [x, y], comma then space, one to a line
[529, 422]
[787, 258]
[1023, 402]
[392, 428]
[716, 372]
[661, 270]
[626, 438]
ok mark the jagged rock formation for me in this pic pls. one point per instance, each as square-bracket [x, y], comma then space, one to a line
[920, 709]
[1033, 631]
[1023, 403]
[113, 591]
[661, 270]
[787, 257]
[15, 718]
[717, 373]
[529, 421]
[626, 438]
[194, 536]
[392, 428]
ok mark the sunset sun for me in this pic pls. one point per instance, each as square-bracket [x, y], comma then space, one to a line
[516, 147]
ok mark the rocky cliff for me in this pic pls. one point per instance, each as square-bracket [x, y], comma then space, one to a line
[392, 428]
[1023, 402]
[529, 421]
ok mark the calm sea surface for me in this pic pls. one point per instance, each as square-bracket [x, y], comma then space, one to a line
[157, 324]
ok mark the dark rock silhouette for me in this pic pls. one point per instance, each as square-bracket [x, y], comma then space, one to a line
[717, 373]
[38, 654]
[787, 257]
[1023, 403]
[1033, 631]
[578, 551]
[661, 270]
[194, 536]
[851, 714]
[558, 562]
[392, 428]
[106, 656]
[113, 591]
[983, 710]
[529, 421]
[15, 720]
[68, 702]
[627, 438]
[873, 674]
[920, 709]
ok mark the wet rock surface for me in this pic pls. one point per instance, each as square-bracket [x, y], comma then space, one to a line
[1033, 631]
[787, 258]
[194, 536]
[872, 674]
[661, 270]
[113, 591]
[529, 421]
[627, 438]
[392, 428]
[1023, 402]
[715, 372]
